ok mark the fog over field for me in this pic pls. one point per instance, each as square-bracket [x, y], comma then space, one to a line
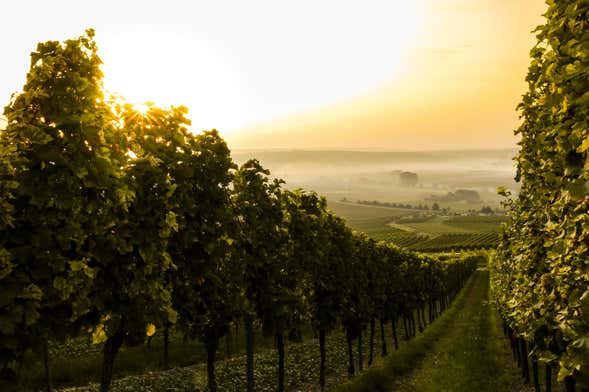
[375, 175]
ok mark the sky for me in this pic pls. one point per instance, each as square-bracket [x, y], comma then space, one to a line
[305, 74]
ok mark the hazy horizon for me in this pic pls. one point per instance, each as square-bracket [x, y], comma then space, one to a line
[374, 175]
[353, 149]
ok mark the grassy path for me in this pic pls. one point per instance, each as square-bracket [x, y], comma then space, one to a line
[463, 350]
[472, 355]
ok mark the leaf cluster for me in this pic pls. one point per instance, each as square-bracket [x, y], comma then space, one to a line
[540, 275]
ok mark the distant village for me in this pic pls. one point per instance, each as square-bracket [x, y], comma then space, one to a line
[410, 179]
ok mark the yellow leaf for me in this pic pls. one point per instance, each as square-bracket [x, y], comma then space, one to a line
[99, 334]
[150, 330]
[584, 146]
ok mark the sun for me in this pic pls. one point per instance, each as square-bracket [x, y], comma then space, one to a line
[257, 69]
[142, 108]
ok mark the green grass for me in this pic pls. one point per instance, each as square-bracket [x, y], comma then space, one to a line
[373, 225]
[477, 223]
[454, 224]
[436, 225]
[385, 233]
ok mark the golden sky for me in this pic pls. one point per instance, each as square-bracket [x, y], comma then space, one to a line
[319, 74]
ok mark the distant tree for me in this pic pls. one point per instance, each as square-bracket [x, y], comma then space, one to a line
[408, 178]
[467, 195]
[435, 207]
[487, 210]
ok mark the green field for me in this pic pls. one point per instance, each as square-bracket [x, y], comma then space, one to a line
[354, 211]
[422, 231]
[457, 241]
[366, 218]
[433, 225]
[477, 223]
[455, 224]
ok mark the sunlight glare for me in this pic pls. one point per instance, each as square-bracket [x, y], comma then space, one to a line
[142, 108]
[251, 69]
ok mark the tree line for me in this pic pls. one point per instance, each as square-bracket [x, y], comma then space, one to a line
[540, 275]
[116, 222]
